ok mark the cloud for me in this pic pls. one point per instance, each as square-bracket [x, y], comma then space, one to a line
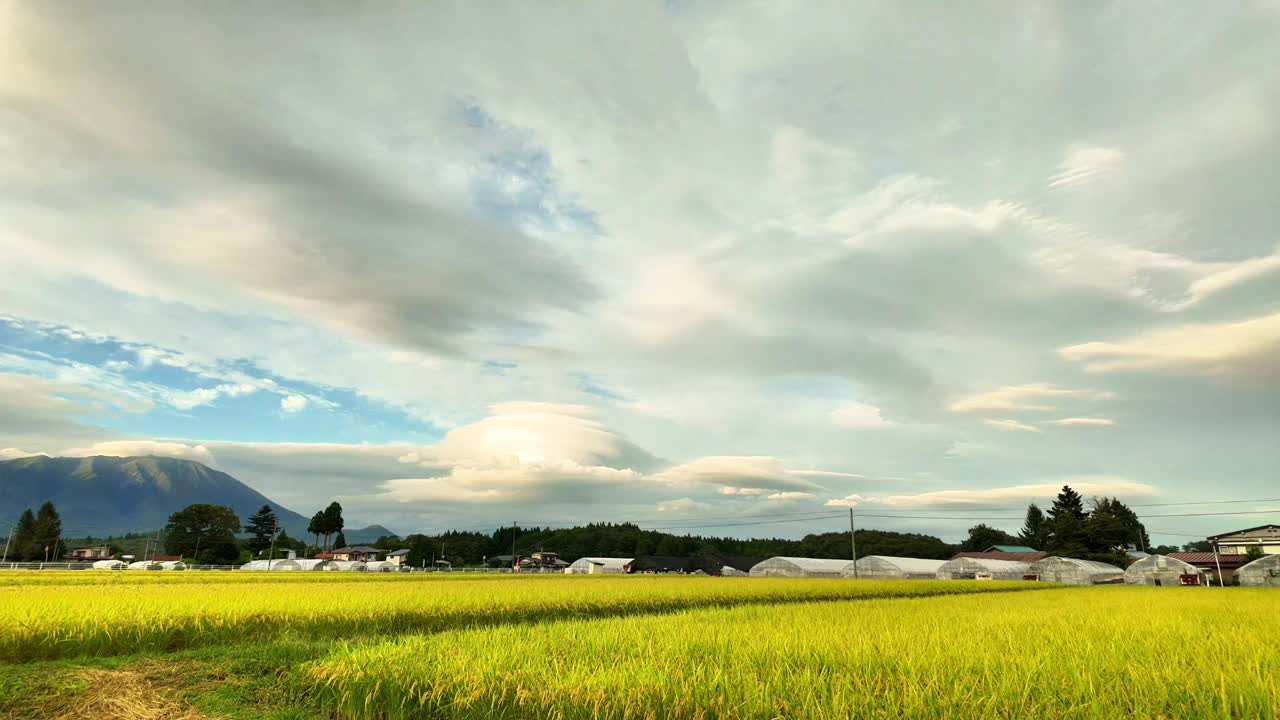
[1119, 487]
[135, 448]
[1085, 164]
[293, 403]
[1011, 425]
[738, 472]
[1083, 421]
[789, 496]
[1241, 348]
[14, 453]
[848, 501]
[682, 505]
[1020, 397]
[856, 414]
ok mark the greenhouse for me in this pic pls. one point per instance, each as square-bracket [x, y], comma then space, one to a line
[884, 567]
[145, 565]
[1263, 572]
[109, 565]
[1076, 572]
[348, 566]
[597, 566]
[272, 565]
[381, 566]
[799, 567]
[981, 568]
[1163, 571]
[173, 565]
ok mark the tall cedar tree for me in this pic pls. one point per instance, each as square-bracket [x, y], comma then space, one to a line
[262, 525]
[316, 527]
[48, 532]
[212, 527]
[22, 546]
[1035, 530]
[340, 541]
[1067, 525]
[1113, 526]
[333, 522]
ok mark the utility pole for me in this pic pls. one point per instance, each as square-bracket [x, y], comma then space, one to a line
[195, 557]
[7, 542]
[853, 545]
[272, 556]
[515, 561]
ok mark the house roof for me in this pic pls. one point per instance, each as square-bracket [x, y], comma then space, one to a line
[359, 549]
[398, 553]
[1026, 557]
[1011, 549]
[1207, 558]
[1247, 530]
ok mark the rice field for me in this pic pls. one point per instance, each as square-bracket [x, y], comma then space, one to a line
[324, 645]
[1106, 652]
[147, 612]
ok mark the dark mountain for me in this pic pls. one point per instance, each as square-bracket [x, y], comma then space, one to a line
[114, 495]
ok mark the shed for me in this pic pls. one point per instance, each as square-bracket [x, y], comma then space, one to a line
[109, 565]
[1263, 572]
[145, 565]
[1210, 564]
[799, 567]
[1072, 571]
[272, 565]
[885, 567]
[1161, 570]
[969, 568]
[597, 566]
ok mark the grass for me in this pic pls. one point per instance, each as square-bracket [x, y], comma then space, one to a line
[1079, 653]
[123, 616]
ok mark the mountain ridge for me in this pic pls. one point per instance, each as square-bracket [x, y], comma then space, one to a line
[103, 495]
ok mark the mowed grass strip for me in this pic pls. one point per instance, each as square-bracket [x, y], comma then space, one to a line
[49, 621]
[1104, 653]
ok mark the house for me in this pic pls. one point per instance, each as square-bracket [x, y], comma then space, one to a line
[359, 553]
[89, 554]
[398, 557]
[1024, 557]
[1011, 549]
[543, 559]
[1264, 537]
[1208, 563]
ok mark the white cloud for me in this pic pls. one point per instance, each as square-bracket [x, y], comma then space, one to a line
[14, 453]
[1246, 347]
[1083, 421]
[846, 501]
[1120, 487]
[1033, 396]
[740, 472]
[682, 505]
[1085, 164]
[135, 448]
[293, 403]
[789, 496]
[856, 414]
[1011, 425]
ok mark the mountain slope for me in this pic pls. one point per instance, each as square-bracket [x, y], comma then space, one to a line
[114, 495]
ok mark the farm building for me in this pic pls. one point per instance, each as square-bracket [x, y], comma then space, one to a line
[1263, 572]
[1264, 537]
[109, 565]
[399, 557]
[1026, 557]
[1210, 564]
[1076, 572]
[382, 566]
[799, 567]
[145, 565]
[172, 565]
[1163, 571]
[597, 566]
[348, 566]
[969, 568]
[885, 567]
[272, 565]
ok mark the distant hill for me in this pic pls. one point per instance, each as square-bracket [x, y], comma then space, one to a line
[115, 495]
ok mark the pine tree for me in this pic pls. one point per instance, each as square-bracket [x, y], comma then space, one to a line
[1067, 524]
[340, 541]
[333, 522]
[261, 525]
[1035, 531]
[24, 536]
[48, 532]
[316, 527]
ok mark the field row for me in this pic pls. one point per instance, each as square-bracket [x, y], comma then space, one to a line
[1105, 652]
[51, 621]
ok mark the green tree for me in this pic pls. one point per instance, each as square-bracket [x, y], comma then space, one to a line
[1254, 553]
[1035, 529]
[212, 527]
[1067, 524]
[22, 546]
[48, 532]
[340, 541]
[316, 527]
[262, 525]
[1198, 546]
[333, 522]
[982, 537]
[1112, 526]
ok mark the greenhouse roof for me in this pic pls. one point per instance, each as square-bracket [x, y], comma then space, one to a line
[919, 565]
[817, 564]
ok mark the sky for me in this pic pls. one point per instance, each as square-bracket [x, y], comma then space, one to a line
[692, 264]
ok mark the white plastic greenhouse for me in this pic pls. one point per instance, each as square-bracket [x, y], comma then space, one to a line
[381, 566]
[307, 564]
[1263, 572]
[145, 565]
[272, 565]
[1076, 572]
[173, 565]
[109, 565]
[597, 566]
[974, 568]
[348, 566]
[799, 567]
[885, 567]
[1160, 570]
